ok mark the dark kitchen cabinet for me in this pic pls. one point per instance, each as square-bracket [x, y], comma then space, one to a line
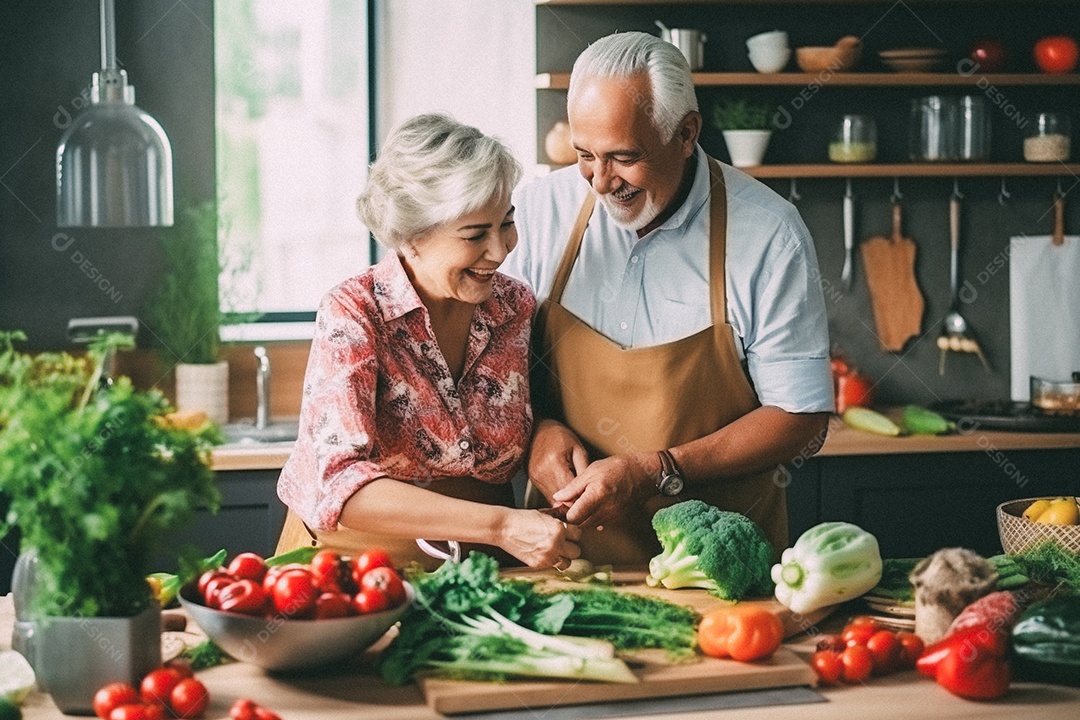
[250, 519]
[918, 503]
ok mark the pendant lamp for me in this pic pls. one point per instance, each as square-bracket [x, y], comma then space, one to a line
[114, 163]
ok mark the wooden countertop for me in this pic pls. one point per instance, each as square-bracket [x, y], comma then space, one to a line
[841, 440]
[357, 692]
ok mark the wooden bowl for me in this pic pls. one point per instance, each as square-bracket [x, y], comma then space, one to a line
[840, 57]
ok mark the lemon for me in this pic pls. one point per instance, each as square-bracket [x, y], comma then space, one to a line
[1036, 509]
[16, 678]
[1062, 511]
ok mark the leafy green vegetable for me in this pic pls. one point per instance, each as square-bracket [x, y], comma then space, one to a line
[706, 547]
[467, 622]
[1048, 563]
[95, 477]
[206, 654]
[300, 555]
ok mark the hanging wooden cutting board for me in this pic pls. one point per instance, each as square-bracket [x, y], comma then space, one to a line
[658, 676]
[897, 303]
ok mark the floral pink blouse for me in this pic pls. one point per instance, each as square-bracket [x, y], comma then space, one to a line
[379, 399]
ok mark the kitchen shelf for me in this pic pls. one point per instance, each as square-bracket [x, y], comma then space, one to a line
[886, 3]
[561, 81]
[838, 170]
[855, 170]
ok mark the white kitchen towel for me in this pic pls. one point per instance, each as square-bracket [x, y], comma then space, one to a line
[1044, 301]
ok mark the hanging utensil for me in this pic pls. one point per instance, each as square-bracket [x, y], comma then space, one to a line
[1058, 235]
[956, 335]
[849, 237]
[897, 303]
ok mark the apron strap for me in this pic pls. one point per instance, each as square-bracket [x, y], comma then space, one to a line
[572, 248]
[717, 246]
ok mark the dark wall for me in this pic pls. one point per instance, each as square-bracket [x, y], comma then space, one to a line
[912, 376]
[50, 50]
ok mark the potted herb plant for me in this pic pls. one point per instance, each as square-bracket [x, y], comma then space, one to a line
[746, 130]
[185, 316]
[96, 475]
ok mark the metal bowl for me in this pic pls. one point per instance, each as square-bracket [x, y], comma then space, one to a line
[275, 643]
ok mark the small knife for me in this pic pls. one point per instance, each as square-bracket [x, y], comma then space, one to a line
[849, 237]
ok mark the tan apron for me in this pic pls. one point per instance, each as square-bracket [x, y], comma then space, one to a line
[347, 541]
[621, 400]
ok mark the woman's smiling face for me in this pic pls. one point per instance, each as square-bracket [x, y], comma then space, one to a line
[457, 260]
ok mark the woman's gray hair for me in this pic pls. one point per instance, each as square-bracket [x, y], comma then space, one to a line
[626, 54]
[432, 170]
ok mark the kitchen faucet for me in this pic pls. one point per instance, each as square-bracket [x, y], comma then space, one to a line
[262, 388]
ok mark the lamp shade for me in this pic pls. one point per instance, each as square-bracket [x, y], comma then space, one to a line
[114, 169]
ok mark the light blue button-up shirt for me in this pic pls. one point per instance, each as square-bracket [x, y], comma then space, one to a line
[654, 290]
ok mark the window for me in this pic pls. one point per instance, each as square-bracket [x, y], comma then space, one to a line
[292, 150]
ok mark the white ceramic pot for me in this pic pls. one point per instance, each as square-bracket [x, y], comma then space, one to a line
[746, 147]
[205, 388]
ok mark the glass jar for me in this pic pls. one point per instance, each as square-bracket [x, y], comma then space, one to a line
[1048, 138]
[933, 130]
[973, 120]
[855, 140]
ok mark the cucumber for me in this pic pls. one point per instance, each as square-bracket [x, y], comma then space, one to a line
[920, 421]
[868, 420]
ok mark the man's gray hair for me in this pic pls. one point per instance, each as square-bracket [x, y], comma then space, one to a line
[432, 170]
[626, 54]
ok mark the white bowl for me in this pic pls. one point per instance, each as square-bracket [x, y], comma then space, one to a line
[773, 40]
[770, 61]
[277, 644]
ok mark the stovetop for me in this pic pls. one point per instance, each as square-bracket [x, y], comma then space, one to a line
[1006, 415]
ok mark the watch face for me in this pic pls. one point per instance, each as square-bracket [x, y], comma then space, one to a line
[671, 484]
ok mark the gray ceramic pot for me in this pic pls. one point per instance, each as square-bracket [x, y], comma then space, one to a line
[74, 656]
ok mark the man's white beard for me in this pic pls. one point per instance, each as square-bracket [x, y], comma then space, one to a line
[627, 218]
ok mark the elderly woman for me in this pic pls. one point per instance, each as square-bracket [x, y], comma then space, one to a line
[415, 412]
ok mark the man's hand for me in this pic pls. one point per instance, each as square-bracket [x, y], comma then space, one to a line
[608, 488]
[556, 457]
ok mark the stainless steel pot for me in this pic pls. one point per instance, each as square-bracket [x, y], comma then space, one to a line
[691, 43]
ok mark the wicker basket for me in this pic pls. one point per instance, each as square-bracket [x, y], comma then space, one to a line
[1018, 534]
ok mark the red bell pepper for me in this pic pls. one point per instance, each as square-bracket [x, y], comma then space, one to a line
[970, 662]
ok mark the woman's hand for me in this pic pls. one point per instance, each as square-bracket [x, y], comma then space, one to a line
[539, 540]
[556, 457]
[607, 489]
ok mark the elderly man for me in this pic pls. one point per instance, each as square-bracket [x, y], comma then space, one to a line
[681, 341]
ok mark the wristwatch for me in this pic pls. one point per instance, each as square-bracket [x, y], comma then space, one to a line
[670, 481]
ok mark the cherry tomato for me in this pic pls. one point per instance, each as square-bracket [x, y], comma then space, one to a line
[262, 713]
[911, 647]
[158, 685]
[214, 588]
[1056, 54]
[831, 642]
[243, 596]
[112, 696]
[385, 579]
[325, 568]
[884, 647]
[370, 601]
[295, 594]
[858, 663]
[137, 711]
[333, 605]
[828, 666]
[249, 566]
[273, 573]
[859, 630]
[243, 709]
[207, 576]
[189, 698]
[371, 559]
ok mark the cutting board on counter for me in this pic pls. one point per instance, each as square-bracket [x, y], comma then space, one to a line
[659, 676]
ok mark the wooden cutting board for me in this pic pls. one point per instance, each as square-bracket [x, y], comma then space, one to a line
[897, 303]
[659, 677]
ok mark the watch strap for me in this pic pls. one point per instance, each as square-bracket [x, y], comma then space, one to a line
[667, 465]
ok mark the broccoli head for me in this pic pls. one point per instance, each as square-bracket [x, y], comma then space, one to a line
[706, 547]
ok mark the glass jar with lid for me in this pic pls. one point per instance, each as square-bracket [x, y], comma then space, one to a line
[1048, 138]
[855, 140]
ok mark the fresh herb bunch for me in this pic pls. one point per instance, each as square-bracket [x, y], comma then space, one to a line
[96, 477]
[741, 115]
[184, 315]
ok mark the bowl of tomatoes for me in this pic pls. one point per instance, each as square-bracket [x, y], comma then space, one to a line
[297, 616]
